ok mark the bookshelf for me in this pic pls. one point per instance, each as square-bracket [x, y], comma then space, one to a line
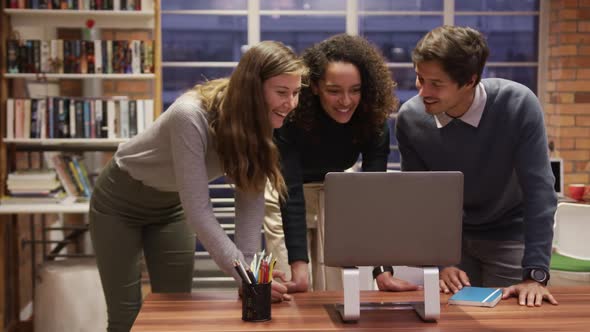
[41, 26]
[47, 25]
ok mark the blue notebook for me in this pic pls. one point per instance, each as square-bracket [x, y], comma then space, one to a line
[477, 296]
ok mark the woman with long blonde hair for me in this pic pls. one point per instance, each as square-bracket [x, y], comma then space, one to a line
[153, 196]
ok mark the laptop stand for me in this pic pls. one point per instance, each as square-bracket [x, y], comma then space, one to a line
[428, 310]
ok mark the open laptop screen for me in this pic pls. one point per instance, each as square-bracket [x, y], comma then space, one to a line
[399, 218]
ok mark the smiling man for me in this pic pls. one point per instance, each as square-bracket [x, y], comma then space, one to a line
[492, 130]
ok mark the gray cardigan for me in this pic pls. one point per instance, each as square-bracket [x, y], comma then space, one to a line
[176, 154]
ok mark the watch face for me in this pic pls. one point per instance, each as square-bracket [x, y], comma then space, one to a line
[538, 275]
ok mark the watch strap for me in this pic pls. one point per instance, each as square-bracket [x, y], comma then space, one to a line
[380, 269]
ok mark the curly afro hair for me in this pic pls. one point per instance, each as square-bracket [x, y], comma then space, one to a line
[377, 87]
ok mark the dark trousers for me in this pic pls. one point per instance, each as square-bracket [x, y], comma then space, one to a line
[128, 218]
[492, 263]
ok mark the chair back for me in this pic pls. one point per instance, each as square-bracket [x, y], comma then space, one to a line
[572, 230]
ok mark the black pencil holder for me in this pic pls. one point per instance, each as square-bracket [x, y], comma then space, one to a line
[256, 300]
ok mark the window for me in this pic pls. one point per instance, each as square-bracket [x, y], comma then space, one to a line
[201, 40]
[204, 39]
[512, 29]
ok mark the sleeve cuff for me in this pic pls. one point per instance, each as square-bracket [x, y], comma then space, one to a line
[297, 255]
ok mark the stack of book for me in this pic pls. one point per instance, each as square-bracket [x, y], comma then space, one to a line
[65, 180]
[33, 186]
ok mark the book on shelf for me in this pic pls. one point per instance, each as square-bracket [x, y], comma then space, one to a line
[10, 118]
[27, 116]
[32, 174]
[72, 173]
[477, 296]
[81, 175]
[124, 123]
[27, 187]
[55, 160]
[12, 200]
[31, 179]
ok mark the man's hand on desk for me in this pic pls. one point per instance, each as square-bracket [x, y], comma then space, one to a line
[386, 282]
[530, 293]
[452, 279]
[299, 277]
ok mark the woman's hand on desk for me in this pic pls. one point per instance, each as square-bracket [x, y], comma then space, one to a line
[452, 279]
[278, 292]
[299, 277]
[530, 293]
[386, 282]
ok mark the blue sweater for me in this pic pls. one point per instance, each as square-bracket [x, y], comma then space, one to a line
[508, 189]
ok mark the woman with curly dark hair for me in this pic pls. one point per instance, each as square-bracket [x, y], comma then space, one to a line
[342, 114]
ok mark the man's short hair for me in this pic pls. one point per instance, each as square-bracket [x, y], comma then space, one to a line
[462, 52]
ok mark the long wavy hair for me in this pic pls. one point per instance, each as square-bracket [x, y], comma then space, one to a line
[377, 87]
[239, 117]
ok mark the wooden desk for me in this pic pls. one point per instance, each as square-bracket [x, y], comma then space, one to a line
[207, 311]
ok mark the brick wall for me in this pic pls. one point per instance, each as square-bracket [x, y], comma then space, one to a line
[567, 100]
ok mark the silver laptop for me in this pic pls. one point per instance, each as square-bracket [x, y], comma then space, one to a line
[400, 218]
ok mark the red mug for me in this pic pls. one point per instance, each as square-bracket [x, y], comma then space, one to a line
[577, 190]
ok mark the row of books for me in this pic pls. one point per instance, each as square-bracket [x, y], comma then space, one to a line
[80, 56]
[75, 4]
[65, 178]
[57, 117]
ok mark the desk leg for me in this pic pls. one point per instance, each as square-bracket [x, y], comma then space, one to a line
[350, 312]
[429, 310]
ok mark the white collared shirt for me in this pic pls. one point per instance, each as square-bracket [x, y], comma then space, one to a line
[473, 114]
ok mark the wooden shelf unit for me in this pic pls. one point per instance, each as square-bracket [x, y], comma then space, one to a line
[43, 24]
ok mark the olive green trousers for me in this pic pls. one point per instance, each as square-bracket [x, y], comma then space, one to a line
[127, 220]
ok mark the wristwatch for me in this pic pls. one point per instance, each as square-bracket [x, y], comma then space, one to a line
[539, 275]
[380, 269]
